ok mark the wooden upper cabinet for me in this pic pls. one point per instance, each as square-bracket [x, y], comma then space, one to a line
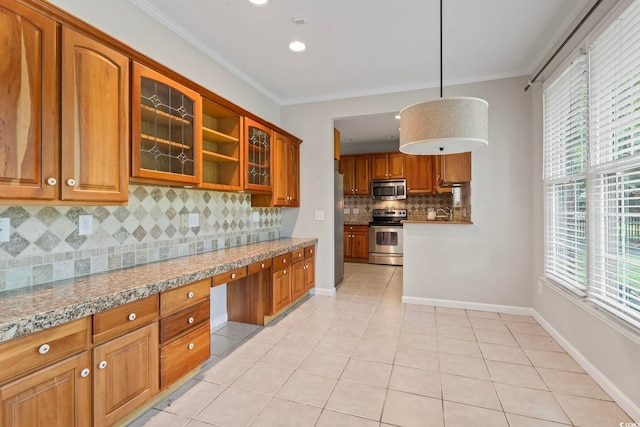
[166, 128]
[95, 120]
[221, 148]
[357, 174]
[28, 108]
[387, 166]
[453, 169]
[258, 155]
[420, 174]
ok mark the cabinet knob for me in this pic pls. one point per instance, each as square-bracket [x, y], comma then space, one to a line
[310, 251]
[52, 181]
[233, 275]
[44, 349]
[190, 295]
[262, 265]
[132, 317]
[284, 271]
[299, 255]
[102, 364]
[191, 346]
[71, 182]
[284, 261]
[191, 320]
[85, 373]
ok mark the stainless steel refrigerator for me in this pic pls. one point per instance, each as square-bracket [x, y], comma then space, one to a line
[338, 194]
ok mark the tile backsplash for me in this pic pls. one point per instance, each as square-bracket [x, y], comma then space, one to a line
[46, 245]
[416, 206]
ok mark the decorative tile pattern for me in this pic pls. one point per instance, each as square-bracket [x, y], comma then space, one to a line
[416, 206]
[147, 230]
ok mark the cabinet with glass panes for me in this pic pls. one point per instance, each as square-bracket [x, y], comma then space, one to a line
[221, 148]
[259, 156]
[166, 128]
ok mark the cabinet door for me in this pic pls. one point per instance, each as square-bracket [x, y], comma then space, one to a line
[281, 290]
[347, 168]
[293, 176]
[362, 174]
[280, 166]
[297, 280]
[396, 165]
[95, 120]
[379, 166]
[27, 103]
[166, 128]
[309, 273]
[420, 174]
[347, 243]
[360, 248]
[259, 152]
[456, 168]
[125, 374]
[56, 396]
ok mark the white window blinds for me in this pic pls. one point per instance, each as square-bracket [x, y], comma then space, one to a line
[614, 185]
[565, 167]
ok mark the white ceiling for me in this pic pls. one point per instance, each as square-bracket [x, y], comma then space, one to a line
[364, 47]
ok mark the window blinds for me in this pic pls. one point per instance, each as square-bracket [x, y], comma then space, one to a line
[614, 184]
[565, 166]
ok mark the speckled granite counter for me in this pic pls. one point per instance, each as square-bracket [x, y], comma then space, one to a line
[436, 222]
[39, 307]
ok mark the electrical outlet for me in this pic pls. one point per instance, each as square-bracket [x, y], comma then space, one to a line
[319, 215]
[85, 225]
[347, 211]
[255, 216]
[5, 230]
[184, 220]
[194, 220]
[356, 211]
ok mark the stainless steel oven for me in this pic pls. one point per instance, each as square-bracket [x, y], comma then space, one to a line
[385, 236]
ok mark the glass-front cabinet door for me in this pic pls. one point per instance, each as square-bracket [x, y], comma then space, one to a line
[167, 129]
[259, 156]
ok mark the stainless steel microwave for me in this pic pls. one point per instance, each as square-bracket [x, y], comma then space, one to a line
[389, 189]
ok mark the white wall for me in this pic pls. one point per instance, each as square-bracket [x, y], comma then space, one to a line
[129, 24]
[501, 180]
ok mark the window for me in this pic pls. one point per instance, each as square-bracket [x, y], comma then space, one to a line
[592, 171]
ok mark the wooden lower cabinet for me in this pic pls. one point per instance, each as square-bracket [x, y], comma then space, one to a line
[309, 273]
[297, 280]
[56, 396]
[356, 243]
[125, 374]
[280, 289]
[184, 354]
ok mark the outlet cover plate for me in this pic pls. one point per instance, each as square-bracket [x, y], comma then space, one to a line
[5, 230]
[319, 216]
[194, 220]
[85, 225]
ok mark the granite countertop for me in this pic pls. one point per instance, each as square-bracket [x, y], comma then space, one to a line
[356, 223]
[27, 310]
[435, 221]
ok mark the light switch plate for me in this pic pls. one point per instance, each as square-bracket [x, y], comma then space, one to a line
[347, 211]
[5, 230]
[85, 225]
[319, 215]
[184, 220]
[194, 220]
[356, 211]
[255, 216]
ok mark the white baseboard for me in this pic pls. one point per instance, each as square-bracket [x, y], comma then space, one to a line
[217, 321]
[464, 305]
[324, 292]
[630, 407]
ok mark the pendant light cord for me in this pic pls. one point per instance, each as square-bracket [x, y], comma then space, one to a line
[440, 48]
[575, 30]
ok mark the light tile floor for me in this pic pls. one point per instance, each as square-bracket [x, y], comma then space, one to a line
[363, 358]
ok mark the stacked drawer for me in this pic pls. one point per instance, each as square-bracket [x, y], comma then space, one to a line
[184, 330]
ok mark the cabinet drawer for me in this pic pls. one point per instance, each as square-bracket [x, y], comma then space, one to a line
[259, 266]
[309, 251]
[230, 276]
[43, 348]
[184, 320]
[183, 355]
[119, 320]
[297, 255]
[185, 296]
[281, 261]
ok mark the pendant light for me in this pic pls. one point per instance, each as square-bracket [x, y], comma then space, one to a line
[444, 125]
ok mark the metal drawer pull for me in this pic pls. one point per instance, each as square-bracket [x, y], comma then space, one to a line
[85, 373]
[44, 349]
[299, 255]
[71, 182]
[233, 275]
[191, 320]
[190, 295]
[191, 346]
[284, 271]
[132, 316]
[262, 265]
[284, 261]
[102, 364]
[52, 181]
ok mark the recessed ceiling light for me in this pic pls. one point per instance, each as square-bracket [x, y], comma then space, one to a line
[259, 2]
[297, 46]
